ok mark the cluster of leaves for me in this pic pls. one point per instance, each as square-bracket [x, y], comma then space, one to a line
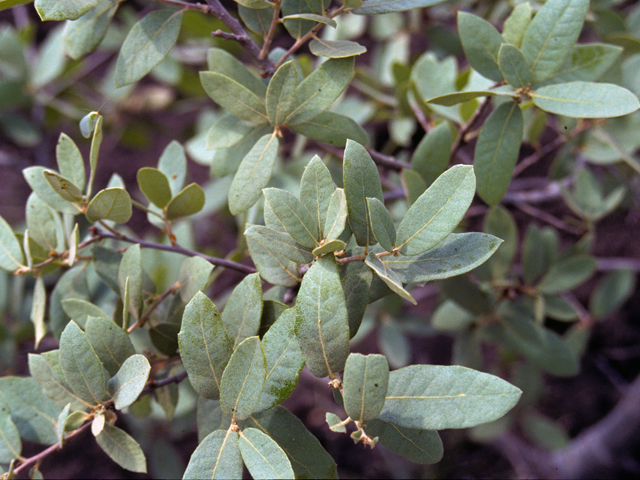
[329, 252]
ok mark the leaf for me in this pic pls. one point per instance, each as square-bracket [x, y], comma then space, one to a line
[44, 225]
[322, 322]
[313, 17]
[96, 141]
[585, 100]
[86, 32]
[189, 201]
[146, 45]
[585, 63]
[63, 187]
[280, 93]
[468, 294]
[164, 337]
[227, 132]
[209, 417]
[72, 284]
[335, 423]
[130, 271]
[297, 28]
[258, 20]
[376, 7]
[497, 151]
[221, 61]
[417, 445]
[514, 67]
[567, 274]
[273, 266]
[294, 217]
[500, 223]
[332, 128]
[36, 180]
[10, 444]
[361, 180]
[381, 224]
[437, 212]
[356, 280]
[611, 292]
[559, 309]
[449, 317]
[434, 397]
[320, 89]
[173, 163]
[481, 43]
[63, 10]
[431, 156]
[194, 276]
[243, 379]
[234, 97]
[155, 186]
[126, 385]
[335, 48]
[329, 247]
[545, 432]
[253, 174]
[122, 449]
[316, 189]
[538, 252]
[205, 347]
[6, 4]
[515, 26]
[552, 34]
[262, 456]
[33, 414]
[242, 313]
[257, 4]
[38, 306]
[389, 277]
[365, 381]
[217, 456]
[110, 343]
[281, 244]
[11, 256]
[336, 216]
[451, 99]
[110, 204]
[70, 161]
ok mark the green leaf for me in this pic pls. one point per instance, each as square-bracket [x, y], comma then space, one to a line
[468, 294]
[307, 457]
[356, 280]
[332, 128]
[449, 317]
[130, 271]
[431, 156]
[381, 224]
[38, 306]
[36, 180]
[552, 34]
[329, 247]
[297, 28]
[44, 225]
[559, 309]
[320, 89]
[155, 186]
[376, 7]
[611, 292]
[209, 417]
[500, 223]
[194, 276]
[205, 347]
[110, 204]
[164, 337]
[70, 161]
[72, 284]
[122, 449]
[294, 217]
[243, 380]
[258, 20]
[217, 456]
[62, 186]
[515, 26]
[389, 277]
[262, 456]
[10, 444]
[451, 99]
[284, 361]
[335, 423]
[538, 252]
[316, 189]
[313, 17]
[221, 61]
[361, 180]
[437, 212]
[81, 366]
[146, 45]
[63, 10]
[189, 201]
[514, 67]
[6, 4]
[413, 184]
[365, 381]
[253, 174]
[110, 343]
[417, 445]
[273, 266]
[173, 163]
[96, 141]
[545, 432]
[322, 322]
[585, 100]
[280, 93]
[567, 274]
[242, 313]
[126, 385]
[586, 63]
[234, 97]
[281, 244]
[257, 4]
[336, 216]
[497, 151]
[335, 48]
[227, 132]
[434, 397]
[11, 256]
[33, 414]
[481, 43]
[85, 33]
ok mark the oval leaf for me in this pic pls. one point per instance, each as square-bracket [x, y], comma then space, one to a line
[419, 446]
[336, 48]
[126, 385]
[280, 93]
[263, 457]
[189, 201]
[481, 43]
[333, 129]
[110, 204]
[365, 380]
[155, 186]
[294, 217]
[376, 7]
[234, 97]
[217, 456]
[242, 313]
[122, 448]
[11, 256]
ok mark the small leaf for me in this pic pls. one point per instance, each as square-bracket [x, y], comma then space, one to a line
[500, 223]
[10, 444]
[481, 43]
[281, 244]
[85, 33]
[38, 306]
[130, 280]
[164, 337]
[294, 217]
[242, 313]
[417, 445]
[311, 16]
[356, 280]
[217, 456]
[316, 189]
[451, 99]
[514, 67]
[258, 20]
[381, 224]
[434, 397]
[365, 381]
[11, 256]
[146, 45]
[611, 292]
[497, 151]
[111, 344]
[335, 48]
[332, 128]
[228, 131]
[437, 212]
[155, 186]
[377, 7]
[280, 93]
[205, 347]
[234, 97]
[567, 274]
[322, 325]
[243, 380]
[253, 174]
[262, 456]
[173, 163]
[431, 156]
[194, 276]
[585, 100]
[189, 201]
[67, 10]
[335, 423]
[44, 225]
[122, 449]
[110, 204]
[336, 216]
[515, 26]
[221, 61]
[389, 277]
[273, 266]
[63, 187]
[36, 180]
[538, 252]
[329, 247]
[126, 385]
[70, 161]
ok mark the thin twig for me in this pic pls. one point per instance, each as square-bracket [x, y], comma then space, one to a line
[422, 120]
[272, 30]
[387, 161]
[155, 384]
[536, 156]
[226, 35]
[467, 126]
[607, 264]
[547, 217]
[159, 300]
[186, 5]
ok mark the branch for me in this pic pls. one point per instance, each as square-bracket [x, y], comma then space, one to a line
[547, 217]
[467, 126]
[222, 262]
